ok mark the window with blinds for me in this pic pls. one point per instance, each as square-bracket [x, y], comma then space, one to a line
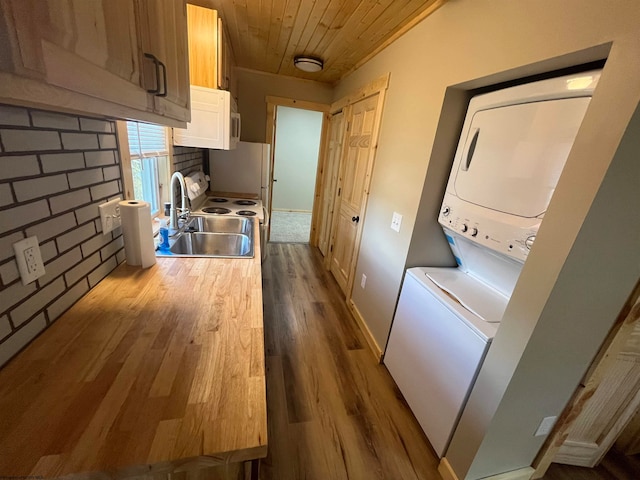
[147, 140]
[149, 154]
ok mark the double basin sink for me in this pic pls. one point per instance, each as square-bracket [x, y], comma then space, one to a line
[212, 236]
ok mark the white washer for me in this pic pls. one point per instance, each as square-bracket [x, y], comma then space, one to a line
[436, 345]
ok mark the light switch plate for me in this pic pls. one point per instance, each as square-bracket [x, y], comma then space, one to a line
[396, 220]
[110, 215]
[29, 259]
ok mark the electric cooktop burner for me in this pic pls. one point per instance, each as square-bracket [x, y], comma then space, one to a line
[245, 202]
[219, 200]
[246, 213]
[218, 210]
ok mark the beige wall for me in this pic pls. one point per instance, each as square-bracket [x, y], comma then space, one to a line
[254, 87]
[543, 347]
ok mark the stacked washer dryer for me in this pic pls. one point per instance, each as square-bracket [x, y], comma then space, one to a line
[512, 150]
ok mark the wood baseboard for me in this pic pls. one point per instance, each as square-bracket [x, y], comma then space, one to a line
[520, 474]
[445, 470]
[447, 473]
[580, 454]
[371, 342]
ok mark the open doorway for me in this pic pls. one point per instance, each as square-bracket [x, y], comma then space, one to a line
[298, 134]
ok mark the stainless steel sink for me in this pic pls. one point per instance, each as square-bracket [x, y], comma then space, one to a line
[212, 236]
[220, 224]
[213, 245]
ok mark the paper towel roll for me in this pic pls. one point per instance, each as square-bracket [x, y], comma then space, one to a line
[137, 230]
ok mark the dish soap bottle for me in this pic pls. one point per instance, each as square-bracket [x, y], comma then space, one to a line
[164, 235]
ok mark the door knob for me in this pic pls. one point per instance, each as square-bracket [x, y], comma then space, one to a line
[355, 219]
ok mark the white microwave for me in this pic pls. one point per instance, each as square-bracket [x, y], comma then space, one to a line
[215, 121]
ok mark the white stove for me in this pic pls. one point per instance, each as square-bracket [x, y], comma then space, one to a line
[244, 207]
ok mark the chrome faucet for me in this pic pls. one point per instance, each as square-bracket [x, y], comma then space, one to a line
[173, 212]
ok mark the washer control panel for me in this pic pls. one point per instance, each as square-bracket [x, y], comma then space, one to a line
[487, 227]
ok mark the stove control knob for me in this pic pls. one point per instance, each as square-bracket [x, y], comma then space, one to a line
[529, 241]
[464, 227]
[446, 211]
[474, 232]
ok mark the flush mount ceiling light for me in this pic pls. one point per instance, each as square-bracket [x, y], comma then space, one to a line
[308, 64]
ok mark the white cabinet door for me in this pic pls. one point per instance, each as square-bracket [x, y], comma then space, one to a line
[210, 115]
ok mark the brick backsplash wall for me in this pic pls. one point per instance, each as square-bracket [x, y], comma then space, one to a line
[187, 159]
[55, 169]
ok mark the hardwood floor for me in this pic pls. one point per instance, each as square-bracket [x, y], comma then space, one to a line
[333, 411]
[614, 466]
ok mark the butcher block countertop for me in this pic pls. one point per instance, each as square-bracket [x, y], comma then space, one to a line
[154, 371]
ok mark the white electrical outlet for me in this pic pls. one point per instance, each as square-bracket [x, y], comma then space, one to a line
[546, 425]
[29, 260]
[363, 281]
[396, 220]
[110, 215]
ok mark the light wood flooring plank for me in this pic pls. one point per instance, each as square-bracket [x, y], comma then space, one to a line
[333, 412]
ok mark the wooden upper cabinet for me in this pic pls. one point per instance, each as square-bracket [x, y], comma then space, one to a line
[94, 50]
[202, 27]
[163, 35]
[226, 60]
[209, 49]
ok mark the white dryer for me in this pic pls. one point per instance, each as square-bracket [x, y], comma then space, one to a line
[512, 150]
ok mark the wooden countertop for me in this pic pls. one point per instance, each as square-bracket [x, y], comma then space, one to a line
[153, 371]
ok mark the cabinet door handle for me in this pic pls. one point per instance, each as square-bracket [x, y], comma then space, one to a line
[238, 125]
[157, 65]
[164, 80]
[355, 219]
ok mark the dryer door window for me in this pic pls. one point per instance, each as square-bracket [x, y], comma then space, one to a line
[513, 156]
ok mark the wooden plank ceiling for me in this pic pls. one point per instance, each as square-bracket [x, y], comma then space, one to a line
[266, 35]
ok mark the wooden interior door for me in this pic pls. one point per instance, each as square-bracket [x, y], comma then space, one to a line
[355, 168]
[604, 403]
[330, 180]
[613, 398]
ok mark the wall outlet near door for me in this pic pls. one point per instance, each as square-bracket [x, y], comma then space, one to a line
[363, 281]
[396, 220]
[29, 259]
[545, 427]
